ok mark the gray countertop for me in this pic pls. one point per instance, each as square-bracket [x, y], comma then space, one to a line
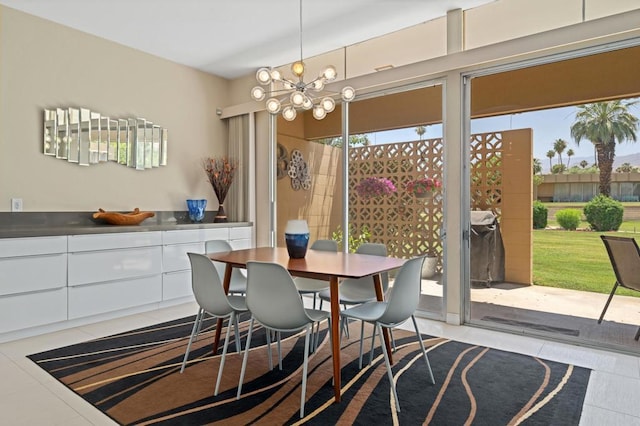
[41, 224]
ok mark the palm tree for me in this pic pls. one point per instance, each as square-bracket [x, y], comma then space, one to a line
[550, 154]
[604, 124]
[570, 154]
[584, 164]
[421, 130]
[559, 146]
[537, 166]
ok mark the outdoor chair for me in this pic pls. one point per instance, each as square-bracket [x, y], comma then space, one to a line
[624, 255]
[211, 298]
[275, 303]
[400, 305]
[238, 283]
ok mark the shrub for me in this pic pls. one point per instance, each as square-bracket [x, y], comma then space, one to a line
[604, 213]
[569, 219]
[540, 213]
[354, 239]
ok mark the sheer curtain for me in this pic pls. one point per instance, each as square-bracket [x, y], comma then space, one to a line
[239, 148]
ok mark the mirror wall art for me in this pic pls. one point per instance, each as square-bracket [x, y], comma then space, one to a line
[85, 137]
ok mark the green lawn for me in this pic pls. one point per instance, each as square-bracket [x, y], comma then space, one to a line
[575, 260]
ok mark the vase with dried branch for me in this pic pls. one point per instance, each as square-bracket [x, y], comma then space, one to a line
[220, 172]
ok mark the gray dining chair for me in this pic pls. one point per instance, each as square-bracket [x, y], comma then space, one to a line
[311, 285]
[212, 300]
[360, 290]
[314, 286]
[275, 304]
[400, 306]
[354, 291]
[238, 283]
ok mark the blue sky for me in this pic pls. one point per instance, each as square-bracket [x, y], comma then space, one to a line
[548, 125]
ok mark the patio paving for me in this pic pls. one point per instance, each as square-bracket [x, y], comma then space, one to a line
[558, 313]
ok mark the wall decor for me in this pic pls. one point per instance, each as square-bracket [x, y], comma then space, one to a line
[85, 137]
[299, 171]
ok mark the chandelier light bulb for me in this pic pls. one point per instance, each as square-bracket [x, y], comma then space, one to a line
[307, 104]
[297, 68]
[318, 85]
[330, 73]
[275, 75]
[273, 105]
[257, 93]
[289, 113]
[348, 94]
[318, 112]
[328, 104]
[263, 76]
[297, 98]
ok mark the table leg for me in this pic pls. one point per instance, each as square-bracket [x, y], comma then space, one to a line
[225, 284]
[385, 331]
[335, 333]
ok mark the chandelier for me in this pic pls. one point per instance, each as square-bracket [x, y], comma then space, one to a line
[290, 95]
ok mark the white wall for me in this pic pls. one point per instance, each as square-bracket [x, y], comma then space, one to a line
[46, 65]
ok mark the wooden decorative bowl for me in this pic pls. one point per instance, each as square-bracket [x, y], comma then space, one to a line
[115, 218]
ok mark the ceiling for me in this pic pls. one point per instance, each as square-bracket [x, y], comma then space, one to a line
[232, 38]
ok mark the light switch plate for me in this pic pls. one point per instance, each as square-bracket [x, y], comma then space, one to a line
[16, 204]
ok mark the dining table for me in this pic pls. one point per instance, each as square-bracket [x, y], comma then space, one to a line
[322, 265]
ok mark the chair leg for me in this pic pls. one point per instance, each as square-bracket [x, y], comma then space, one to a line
[424, 352]
[637, 334]
[224, 353]
[615, 286]
[393, 340]
[361, 343]
[244, 359]
[237, 332]
[279, 351]
[373, 343]
[269, 349]
[305, 364]
[388, 364]
[194, 332]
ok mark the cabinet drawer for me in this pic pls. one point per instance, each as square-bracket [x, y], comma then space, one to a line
[194, 235]
[176, 284]
[30, 310]
[10, 247]
[240, 244]
[108, 265]
[114, 241]
[174, 257]
[240, 233]
[96, 299]
[32, 273]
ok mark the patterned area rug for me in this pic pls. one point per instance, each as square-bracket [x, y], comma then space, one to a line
[134, 378]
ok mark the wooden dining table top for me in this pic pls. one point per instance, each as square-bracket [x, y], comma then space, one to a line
[316, 263]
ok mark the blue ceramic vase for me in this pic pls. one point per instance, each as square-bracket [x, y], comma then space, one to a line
[196, 209]
[296, 236]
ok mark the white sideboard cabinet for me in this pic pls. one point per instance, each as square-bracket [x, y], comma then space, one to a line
[33, 282]
[55, 282]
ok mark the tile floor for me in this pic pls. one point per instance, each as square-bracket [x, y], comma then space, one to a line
[28, 396]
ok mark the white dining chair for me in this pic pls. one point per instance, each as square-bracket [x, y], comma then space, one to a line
[311, 285]
[275, 304]
[212, 300]
[400, 306]
[314, 286]
[359, 290]
[238, 283]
